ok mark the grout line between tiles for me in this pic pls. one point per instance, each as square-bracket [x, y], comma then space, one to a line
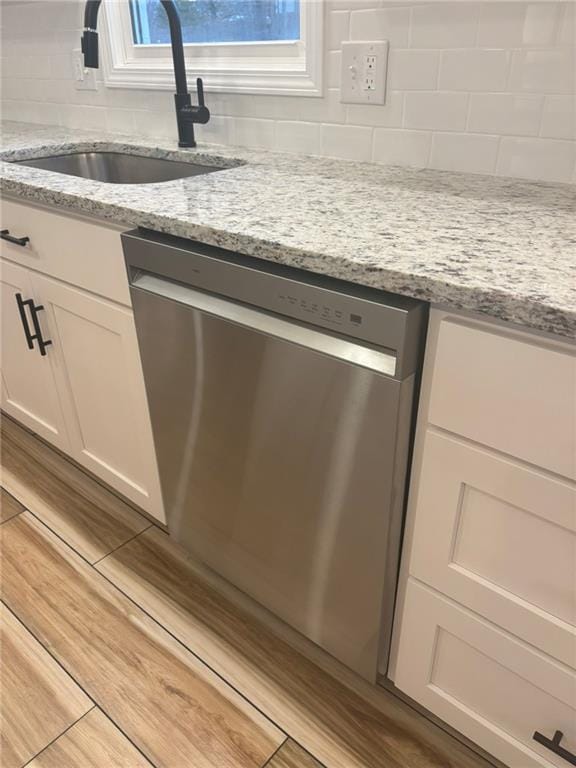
[162, 626]
[190, 650]
[273, 755]
[58, 536]
[122, 544]
[6, 491]
[44, 748]
[95, 704]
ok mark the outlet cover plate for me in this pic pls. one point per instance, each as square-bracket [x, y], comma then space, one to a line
[364, 71]
[84, 78]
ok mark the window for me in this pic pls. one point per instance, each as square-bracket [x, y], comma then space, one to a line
[218, 21]
[246, 46]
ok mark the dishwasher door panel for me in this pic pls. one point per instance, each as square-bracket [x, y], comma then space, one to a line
[278, 470]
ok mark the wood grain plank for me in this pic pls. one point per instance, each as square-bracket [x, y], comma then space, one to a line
[9, 506]
[92, 742]
[176, 710]
[85, 514]
[332, 722]
[39, 700]
[291, 755]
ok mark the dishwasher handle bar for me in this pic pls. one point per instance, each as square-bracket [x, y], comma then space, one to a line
[379, 360]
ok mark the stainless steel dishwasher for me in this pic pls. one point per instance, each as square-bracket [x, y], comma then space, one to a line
[281, 406]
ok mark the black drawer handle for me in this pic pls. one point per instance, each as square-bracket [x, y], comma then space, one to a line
[37, 335]
[5, 235]
[553, 745]
[22, 304]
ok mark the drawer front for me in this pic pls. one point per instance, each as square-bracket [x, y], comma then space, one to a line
[72, 249]
[514, 396]
[498, 537]
[482, 681]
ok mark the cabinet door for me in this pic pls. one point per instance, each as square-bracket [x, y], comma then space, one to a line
[28, 386]
[99, 375]
[490, 686]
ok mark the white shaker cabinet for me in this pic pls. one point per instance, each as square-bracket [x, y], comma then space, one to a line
[86, 394]
[99, 378]
[485, 682]
[485, 631]
[28, 384]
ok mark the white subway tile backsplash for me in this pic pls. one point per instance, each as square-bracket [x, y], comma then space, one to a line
[410, 70]
[559, 117]
[220, 130]
[327, 110]
[465, 152]
[468, 82]
[338, 28]
[353, 5]
[444, 25]
[474, 70]
[12, 110]
[388, 115]
[505, 114]
[120, 120]
[435, 110]
[36, 112]
[334, 64]
[352, 142]
[541, 23]
[544, 159]
[516, 24]
[155, 124]
[567, 31]
[544, 71]
[392, 24]
[86, 117]
[60, 66]
[298, 137]
[25, 65]
[399, 147]
[254, 133]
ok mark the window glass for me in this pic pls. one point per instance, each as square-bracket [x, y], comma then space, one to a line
[218, 21]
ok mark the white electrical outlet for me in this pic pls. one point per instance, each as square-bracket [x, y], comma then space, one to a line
[84, 77]
[364, 69]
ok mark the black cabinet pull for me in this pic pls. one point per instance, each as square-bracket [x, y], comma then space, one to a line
[553, 745]
[42, 343]
[22, 304]
[5, 235]
[37, 335]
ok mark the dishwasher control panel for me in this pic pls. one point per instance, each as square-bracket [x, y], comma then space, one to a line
[328, 313]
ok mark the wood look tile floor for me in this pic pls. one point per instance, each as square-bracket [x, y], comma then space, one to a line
[119, 652]
[9, 506]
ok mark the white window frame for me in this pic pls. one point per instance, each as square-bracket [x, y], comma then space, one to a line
[286, 67]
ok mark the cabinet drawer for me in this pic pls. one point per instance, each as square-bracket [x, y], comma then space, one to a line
[500, 538]
[72, 249]
[508, 394]
[482, 681]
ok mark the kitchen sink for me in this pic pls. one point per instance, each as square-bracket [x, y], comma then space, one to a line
[119, 168]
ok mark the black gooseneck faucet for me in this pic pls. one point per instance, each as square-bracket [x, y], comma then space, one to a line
[186, 113]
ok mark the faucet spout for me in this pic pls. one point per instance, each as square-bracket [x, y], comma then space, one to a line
[186, 113]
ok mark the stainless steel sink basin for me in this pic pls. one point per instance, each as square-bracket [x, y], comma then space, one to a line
[118, 168]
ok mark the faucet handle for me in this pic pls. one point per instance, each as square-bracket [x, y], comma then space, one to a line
[201, 113]
[200, 89]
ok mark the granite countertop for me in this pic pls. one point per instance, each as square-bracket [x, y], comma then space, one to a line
[502, 247]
